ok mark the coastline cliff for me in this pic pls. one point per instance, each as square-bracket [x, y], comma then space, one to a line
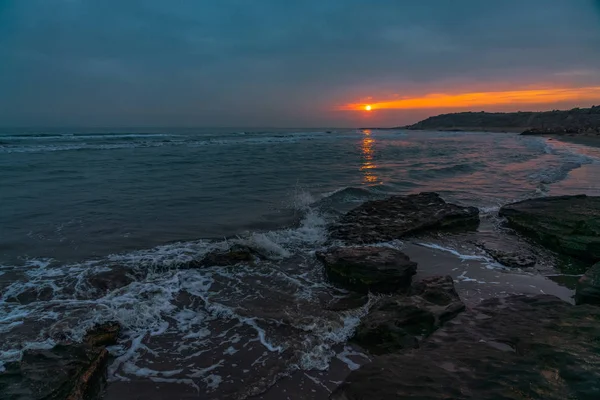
[577, 122]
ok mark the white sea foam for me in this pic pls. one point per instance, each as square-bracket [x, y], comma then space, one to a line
[489, 262]
[348, 352]
[71, 144]
[150, 307]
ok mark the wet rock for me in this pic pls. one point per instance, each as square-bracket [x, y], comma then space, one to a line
[112, 280]
[507, 254]
[222, 258]
[517, 347]
[105, 334]
[438, 290]
[402, 322]
[32, 295]
[67, 371]
[588, 287]
[569, 225]
[400, 216]
[364, 269]
[349, 302]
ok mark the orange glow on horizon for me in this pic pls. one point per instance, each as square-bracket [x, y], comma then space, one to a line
[465, 100]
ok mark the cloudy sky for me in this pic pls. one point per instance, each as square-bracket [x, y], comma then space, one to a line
[291, 63]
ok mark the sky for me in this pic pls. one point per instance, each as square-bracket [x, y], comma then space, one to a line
[301, 63]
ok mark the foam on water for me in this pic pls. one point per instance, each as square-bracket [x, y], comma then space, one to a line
[201, 327]
[489, 262]
[273, 304]
[75, 142]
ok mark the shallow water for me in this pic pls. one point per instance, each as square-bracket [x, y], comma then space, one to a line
[77, 204]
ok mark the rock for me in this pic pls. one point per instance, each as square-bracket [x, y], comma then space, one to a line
[219, 258]
[364, 269]
[32, 295]
[588, 287]
[402, 322]
[400, 216]
[350, 302]
[438, 290]
[518, 347]
[507, 255]
[105, 334]
[111, 280]
[569, 225]
[67, 371]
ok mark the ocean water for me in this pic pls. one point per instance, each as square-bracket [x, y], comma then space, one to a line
[79, 203]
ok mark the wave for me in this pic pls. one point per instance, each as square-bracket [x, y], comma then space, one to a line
[446, 171]
[78, 136]
[179, 314]
[571, 156]
[178, 141]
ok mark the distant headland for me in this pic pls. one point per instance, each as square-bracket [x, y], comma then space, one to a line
[575, 122]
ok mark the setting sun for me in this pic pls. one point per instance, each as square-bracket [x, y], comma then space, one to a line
[478, 99]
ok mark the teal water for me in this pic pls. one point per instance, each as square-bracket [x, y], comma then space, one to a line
[78, 205]
[72, 195]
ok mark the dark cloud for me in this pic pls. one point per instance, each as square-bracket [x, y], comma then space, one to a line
[273, 62]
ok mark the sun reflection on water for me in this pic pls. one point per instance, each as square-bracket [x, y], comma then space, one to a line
[368, 167]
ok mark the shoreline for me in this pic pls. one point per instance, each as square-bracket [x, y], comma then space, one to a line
[280, 299]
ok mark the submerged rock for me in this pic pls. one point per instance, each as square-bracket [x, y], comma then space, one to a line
[507, 255]
[32, 295]
[103, 334]
[588, 287]
[569, 225]
[364, 269]
[223, 258]
[111, 280]
[402, 322]
[400, 216]
[349, 302]
[67, 371]
[518, 347]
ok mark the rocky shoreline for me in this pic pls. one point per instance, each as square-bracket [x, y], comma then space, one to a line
[424, 340]
[579, 122]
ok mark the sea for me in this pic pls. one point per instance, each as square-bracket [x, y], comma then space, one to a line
[76, 204]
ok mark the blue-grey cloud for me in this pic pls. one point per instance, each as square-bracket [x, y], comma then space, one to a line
[272, 62]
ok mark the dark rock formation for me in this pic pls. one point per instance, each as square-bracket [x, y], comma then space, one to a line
[401, 322]
[569, 225]
[507, 254]
[66, 372]
[349, 302]
[518, 347]
[588, 287]
[219, 258]
[400, 216]
[583, 130]
[111, 280]
[32, 295]
[364, 269]
[578, 121]
[103, 334]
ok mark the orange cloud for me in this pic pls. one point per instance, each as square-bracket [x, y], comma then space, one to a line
[464, 100]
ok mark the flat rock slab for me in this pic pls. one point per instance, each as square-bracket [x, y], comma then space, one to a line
[515, 348]
[569, 225]
[588, 287]
[507, 254]
[401, 216]
[402, 322]
[368, 269]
